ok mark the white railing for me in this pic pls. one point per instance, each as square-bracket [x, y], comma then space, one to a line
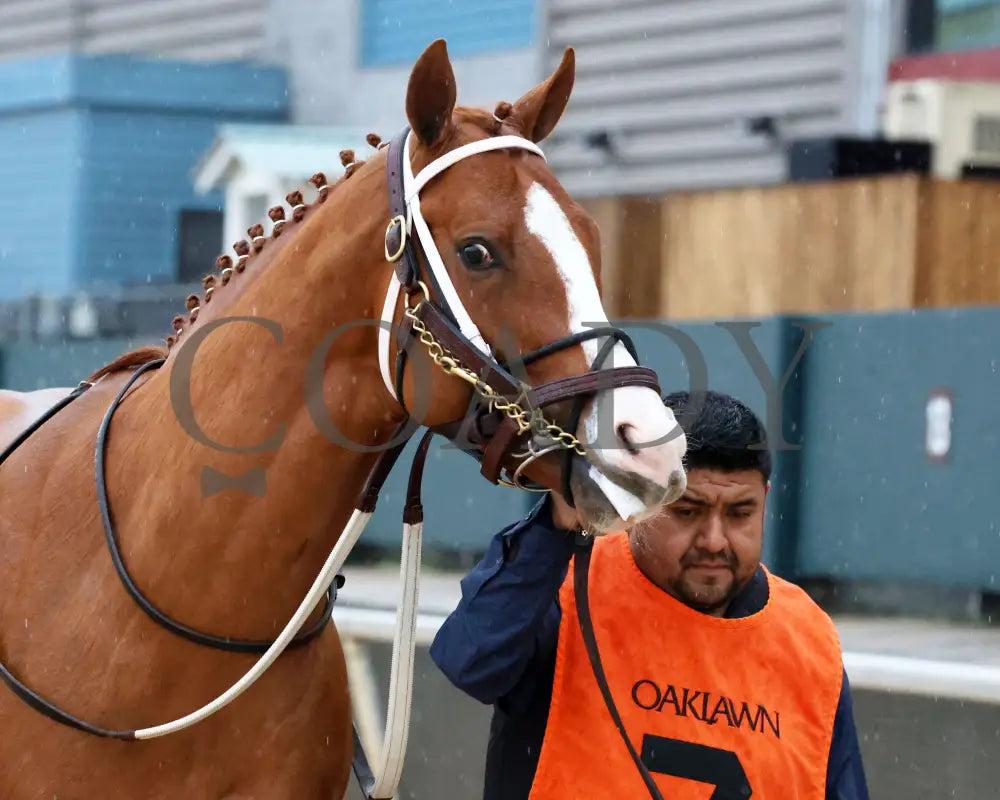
[951, 680]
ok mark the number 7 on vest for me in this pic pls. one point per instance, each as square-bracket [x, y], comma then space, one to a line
[697, 762]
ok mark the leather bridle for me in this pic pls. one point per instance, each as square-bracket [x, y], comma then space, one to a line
[497, 419]
[504, 409]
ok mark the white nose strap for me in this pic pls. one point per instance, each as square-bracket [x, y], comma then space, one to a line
[415, 220]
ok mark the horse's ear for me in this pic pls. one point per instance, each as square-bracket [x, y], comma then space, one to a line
[430, 95]
[540, 109]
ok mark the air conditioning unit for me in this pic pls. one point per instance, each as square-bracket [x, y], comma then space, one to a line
[961, 121]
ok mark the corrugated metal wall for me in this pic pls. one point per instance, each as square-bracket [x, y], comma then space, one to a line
[195, 29]
[674, 83]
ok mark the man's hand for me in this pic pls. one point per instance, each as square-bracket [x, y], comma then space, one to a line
[563, 515]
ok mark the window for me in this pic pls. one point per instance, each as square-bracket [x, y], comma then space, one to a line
[952, 25]
[397, 31]
[199, 243]
[255, 208]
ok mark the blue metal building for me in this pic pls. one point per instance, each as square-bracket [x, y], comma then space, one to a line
[96, 155]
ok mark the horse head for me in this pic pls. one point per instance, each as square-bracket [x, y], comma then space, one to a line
[503, 269]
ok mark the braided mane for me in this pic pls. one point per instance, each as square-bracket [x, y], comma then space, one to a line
[500, 121]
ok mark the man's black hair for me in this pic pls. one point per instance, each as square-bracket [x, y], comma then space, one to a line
[722, 433]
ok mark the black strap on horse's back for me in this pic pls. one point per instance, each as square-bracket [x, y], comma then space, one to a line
[226, 643]
[24, 435]
[584, 545]
[21, 690]
[49, 709]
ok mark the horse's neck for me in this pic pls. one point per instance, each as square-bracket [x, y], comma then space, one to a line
[260, 387]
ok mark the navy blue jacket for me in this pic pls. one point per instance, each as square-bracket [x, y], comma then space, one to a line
[499, 647]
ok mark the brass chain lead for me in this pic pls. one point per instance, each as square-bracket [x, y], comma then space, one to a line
[451, 366]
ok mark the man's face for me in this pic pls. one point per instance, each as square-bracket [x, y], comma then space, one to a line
[705, 547]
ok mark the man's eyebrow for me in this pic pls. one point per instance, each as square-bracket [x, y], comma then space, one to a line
[698, 501]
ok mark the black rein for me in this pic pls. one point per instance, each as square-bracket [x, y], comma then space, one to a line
[42, 705]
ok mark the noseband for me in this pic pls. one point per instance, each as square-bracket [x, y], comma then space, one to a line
[504, 409]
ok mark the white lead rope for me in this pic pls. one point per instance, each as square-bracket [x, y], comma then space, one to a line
[397, 721]
[356, 524]
[397, 725]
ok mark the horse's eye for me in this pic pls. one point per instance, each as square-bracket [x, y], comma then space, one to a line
[476, 255]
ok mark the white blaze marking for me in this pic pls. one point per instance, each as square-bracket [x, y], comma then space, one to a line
[546, 220]
[642, 408]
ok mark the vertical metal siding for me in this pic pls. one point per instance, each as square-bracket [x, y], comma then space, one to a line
[38, 205]
[96, 160]
[137, 178]
[396, 31]
[673, 86]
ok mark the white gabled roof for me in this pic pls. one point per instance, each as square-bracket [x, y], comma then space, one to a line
[288, 152]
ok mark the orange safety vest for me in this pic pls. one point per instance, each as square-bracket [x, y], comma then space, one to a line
[708, 703]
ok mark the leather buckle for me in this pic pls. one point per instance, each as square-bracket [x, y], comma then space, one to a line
[391, 230]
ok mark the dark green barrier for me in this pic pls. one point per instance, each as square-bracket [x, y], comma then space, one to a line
[874, 506]
[462, 510]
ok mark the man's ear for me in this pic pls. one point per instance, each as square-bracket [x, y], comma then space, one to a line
[431, 95]
[538, 111]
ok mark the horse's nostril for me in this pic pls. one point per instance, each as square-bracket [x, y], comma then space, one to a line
[623, 432]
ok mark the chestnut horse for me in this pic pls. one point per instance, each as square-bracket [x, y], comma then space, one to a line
[236, 560]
